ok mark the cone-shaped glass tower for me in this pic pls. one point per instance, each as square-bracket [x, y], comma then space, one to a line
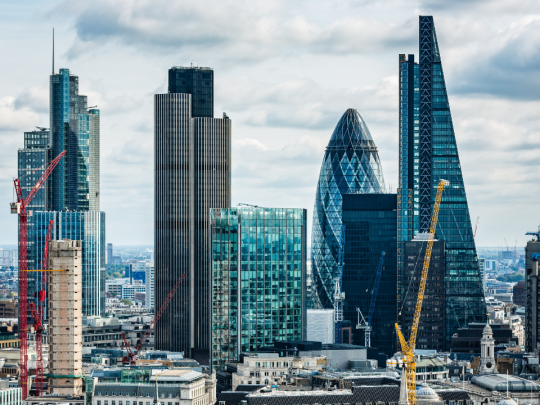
[351, 165]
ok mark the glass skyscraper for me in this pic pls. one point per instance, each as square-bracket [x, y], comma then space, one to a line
[197, 81]
[370, 228]
[88, 227]
[350, 165]
[428, 153]
[258, 262]
[75, 129]
[70, 196]
[192, 160]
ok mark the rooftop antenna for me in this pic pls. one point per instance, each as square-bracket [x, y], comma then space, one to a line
[53, 51]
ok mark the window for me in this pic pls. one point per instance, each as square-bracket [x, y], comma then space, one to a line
[98, 402]
[120, 402]
[106, 402]
[113, 402]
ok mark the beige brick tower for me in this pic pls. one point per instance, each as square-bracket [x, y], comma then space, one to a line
[65, 318]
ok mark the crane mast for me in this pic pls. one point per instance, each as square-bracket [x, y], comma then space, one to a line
[339, 295]
[367, 325]
[408, 348]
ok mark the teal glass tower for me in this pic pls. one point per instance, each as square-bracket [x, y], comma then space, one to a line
[428, 152]
[75, 129]
[350, 165]
[258, 261]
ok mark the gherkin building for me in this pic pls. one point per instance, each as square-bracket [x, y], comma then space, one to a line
[351, 165]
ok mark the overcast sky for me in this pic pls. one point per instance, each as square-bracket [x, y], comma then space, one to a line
[285, 71]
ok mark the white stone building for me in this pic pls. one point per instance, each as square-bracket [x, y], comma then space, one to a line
[270, 369]
[175, 387]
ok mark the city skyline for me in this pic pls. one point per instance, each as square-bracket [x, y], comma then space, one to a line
[490, 176]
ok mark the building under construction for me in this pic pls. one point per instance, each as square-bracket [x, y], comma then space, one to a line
[65, 318]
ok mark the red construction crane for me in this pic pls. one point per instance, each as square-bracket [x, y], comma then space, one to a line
[39, 315]
[38, 326]
[19, 208]
[131, 357]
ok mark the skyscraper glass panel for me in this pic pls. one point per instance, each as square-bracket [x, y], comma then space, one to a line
[428, 153]
[88, 227]
[258, 259]
[350, 165]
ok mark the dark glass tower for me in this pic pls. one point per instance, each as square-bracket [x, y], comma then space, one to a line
[197, 81]
[350, 165]
[428, 153]
[192, 160]
[370, 228]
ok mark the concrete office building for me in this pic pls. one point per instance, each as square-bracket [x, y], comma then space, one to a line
[192, 160]
[65, 318]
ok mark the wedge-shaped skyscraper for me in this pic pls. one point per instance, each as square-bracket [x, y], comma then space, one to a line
[428, 152]
[351, 165]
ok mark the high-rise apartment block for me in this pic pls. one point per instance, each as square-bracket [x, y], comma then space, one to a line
[532, 308]
[192, 160]
[370, 228]
[258, 264]
[428, 153]
[65, 375]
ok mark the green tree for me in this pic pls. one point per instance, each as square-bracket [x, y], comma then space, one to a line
[125, 301]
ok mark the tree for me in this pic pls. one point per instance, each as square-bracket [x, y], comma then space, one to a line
[127, 302]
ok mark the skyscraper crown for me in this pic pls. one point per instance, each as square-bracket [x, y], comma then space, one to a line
[351, 131]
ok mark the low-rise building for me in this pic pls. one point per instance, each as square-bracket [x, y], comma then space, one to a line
[175, 387]
[270, 368]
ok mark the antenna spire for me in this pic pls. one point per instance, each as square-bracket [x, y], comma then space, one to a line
[53, 51]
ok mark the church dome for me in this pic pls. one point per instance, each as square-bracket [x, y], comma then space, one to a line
[487, 329]
[426, 392]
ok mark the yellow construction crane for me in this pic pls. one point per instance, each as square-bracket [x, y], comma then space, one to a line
[407, 349]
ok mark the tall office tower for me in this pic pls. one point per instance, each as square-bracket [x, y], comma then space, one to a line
[532, 308]
[109, 253]
[199, 82]
[433, 316]
[258, 264]
[89, 228]
[149, 282]
[350, 166]
[370, 228]
[32, 161]
[428, 153]
[192, 160]
[75, 129]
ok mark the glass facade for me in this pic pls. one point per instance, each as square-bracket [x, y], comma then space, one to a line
[370, 228]
[350, 165]
[428, 153]
[192, 158]
[89, 227]
[75, 129]
[258, 261]
[197, 81]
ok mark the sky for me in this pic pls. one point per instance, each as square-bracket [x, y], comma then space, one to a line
[285, 72]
